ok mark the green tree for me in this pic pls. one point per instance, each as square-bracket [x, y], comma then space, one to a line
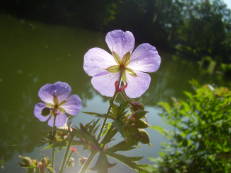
[201, 141]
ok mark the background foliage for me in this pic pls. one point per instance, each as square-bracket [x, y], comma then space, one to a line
[201, 140]
[192, 29]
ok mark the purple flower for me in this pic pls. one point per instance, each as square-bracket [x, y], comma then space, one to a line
[131, 66]
[57, 103]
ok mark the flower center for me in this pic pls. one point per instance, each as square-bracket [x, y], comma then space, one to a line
[54, 108]
[121, 65]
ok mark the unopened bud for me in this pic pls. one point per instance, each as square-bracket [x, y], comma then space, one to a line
[137, 106]
[73, 149]
[143, 137]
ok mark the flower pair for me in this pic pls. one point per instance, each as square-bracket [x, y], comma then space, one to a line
[124, 65]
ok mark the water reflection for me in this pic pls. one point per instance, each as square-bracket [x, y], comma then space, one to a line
[33, 54]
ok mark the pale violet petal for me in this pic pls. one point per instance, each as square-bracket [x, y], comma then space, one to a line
[72, 105]
[59, 89]
[38, 112]
[105, 84]
[96, 61]
[120, 42]
[60, 120]
[137, 85]
[145, 58]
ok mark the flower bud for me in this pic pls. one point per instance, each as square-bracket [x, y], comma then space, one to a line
[27, 162]
[137, 106]
[73, 149]
[143, 137]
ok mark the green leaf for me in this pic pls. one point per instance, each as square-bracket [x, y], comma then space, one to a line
[127, 160]
[118, 111]
[50, 169]
[141, 124]
[140, 114]
[96, 114]
[122, 146]
[102, 164]
[86, 135]
[159, 129]
[110, 134]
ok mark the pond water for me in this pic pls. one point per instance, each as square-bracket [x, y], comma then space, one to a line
[33, 54]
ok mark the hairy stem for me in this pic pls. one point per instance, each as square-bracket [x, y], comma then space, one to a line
[86, 164]
[53, 148]
[108, 111]
[66, 153]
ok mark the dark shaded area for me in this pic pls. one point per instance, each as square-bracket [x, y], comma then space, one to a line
[165, 23]
[193, 29]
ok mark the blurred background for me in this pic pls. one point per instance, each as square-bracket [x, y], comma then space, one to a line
[44, 41]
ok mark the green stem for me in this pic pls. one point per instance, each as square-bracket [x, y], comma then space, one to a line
[68, 158]
[86, 164]
[66, 153]
[53, 148]
[108, 111]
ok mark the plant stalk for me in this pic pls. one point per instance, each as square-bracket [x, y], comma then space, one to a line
[86, 164]
[53, 148]
[66, 153]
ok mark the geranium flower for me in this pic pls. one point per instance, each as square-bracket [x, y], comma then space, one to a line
[57, 104]
[131, 66]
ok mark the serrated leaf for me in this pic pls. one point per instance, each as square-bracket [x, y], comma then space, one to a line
[141, 124]
[159, 129]
[95, 114]
[110, 134]
[127, 160]
[122, 146]
[102, 164]
[140, 114]
[118, 111]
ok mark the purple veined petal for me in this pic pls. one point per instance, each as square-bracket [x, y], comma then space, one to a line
[59, 89]
[137, 85]
[145, 58]
[38, 112]
[61, 120]
[105, 84]
[72, 105]
[120, 42]
[97, 60]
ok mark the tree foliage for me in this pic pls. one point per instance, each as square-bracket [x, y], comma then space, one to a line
[201, 140]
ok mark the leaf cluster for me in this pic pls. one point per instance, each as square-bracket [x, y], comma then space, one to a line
[201, 140]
